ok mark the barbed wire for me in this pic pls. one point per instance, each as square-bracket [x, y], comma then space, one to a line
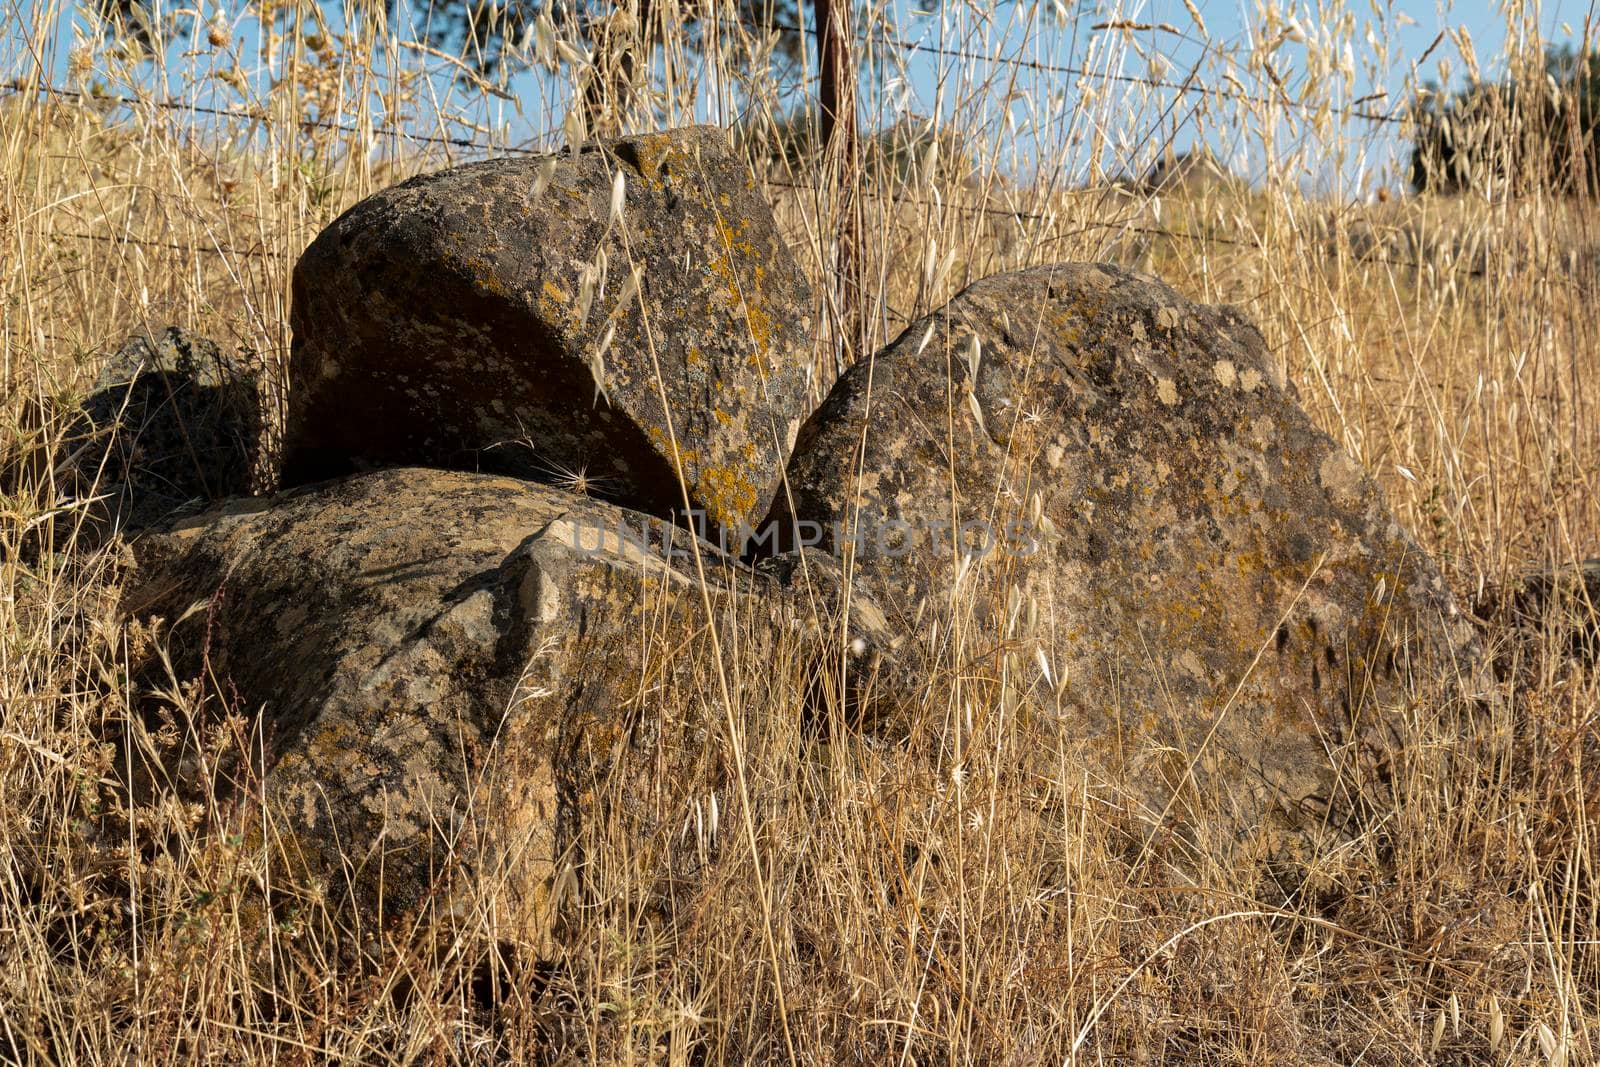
[212, 248]
[1123, 226]
[1187, 86]
[255, 116]
[871, 35]
[247, 115]
[390, 129]
[1082, 72]
[259, 115]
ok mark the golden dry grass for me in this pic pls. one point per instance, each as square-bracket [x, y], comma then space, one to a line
[852, 901]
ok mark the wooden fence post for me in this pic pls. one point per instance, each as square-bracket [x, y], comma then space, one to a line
[842, 163]
[609, 91]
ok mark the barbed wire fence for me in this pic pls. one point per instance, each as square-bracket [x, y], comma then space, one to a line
[1128, 226]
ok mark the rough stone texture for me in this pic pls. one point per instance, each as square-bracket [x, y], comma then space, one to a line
[1212, 580]
[442, 323]
[1556, 611]
[174, 423]
[443, 660]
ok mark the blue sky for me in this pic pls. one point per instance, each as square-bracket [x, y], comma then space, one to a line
[1166, 46]
[1409, 28]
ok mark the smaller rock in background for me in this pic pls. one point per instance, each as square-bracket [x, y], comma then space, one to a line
[1559, 606]
[174, 423]
[1195, 171]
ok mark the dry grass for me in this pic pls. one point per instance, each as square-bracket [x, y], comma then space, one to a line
[960, 896]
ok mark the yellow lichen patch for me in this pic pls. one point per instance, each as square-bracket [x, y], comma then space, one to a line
[758, 321]
[726, 494]
[735, 240]
[689, 457]
[653, 155]
[553, 300]
[760, 332]
[333, 743]
[483, 272]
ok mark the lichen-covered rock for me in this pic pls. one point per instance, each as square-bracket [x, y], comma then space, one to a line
[1218, 597]
[483, 318]
[444, 660]
[174, 422]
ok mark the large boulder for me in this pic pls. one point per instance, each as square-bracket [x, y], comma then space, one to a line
[444, 660]
[1218, 597]
[174, 423]
[458, 320]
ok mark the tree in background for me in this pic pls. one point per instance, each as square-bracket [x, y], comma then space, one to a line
[1520, 135]
[496, 37]
[620, 36]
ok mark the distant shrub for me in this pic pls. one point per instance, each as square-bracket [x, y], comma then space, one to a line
[1519, 135]
[898, 153]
